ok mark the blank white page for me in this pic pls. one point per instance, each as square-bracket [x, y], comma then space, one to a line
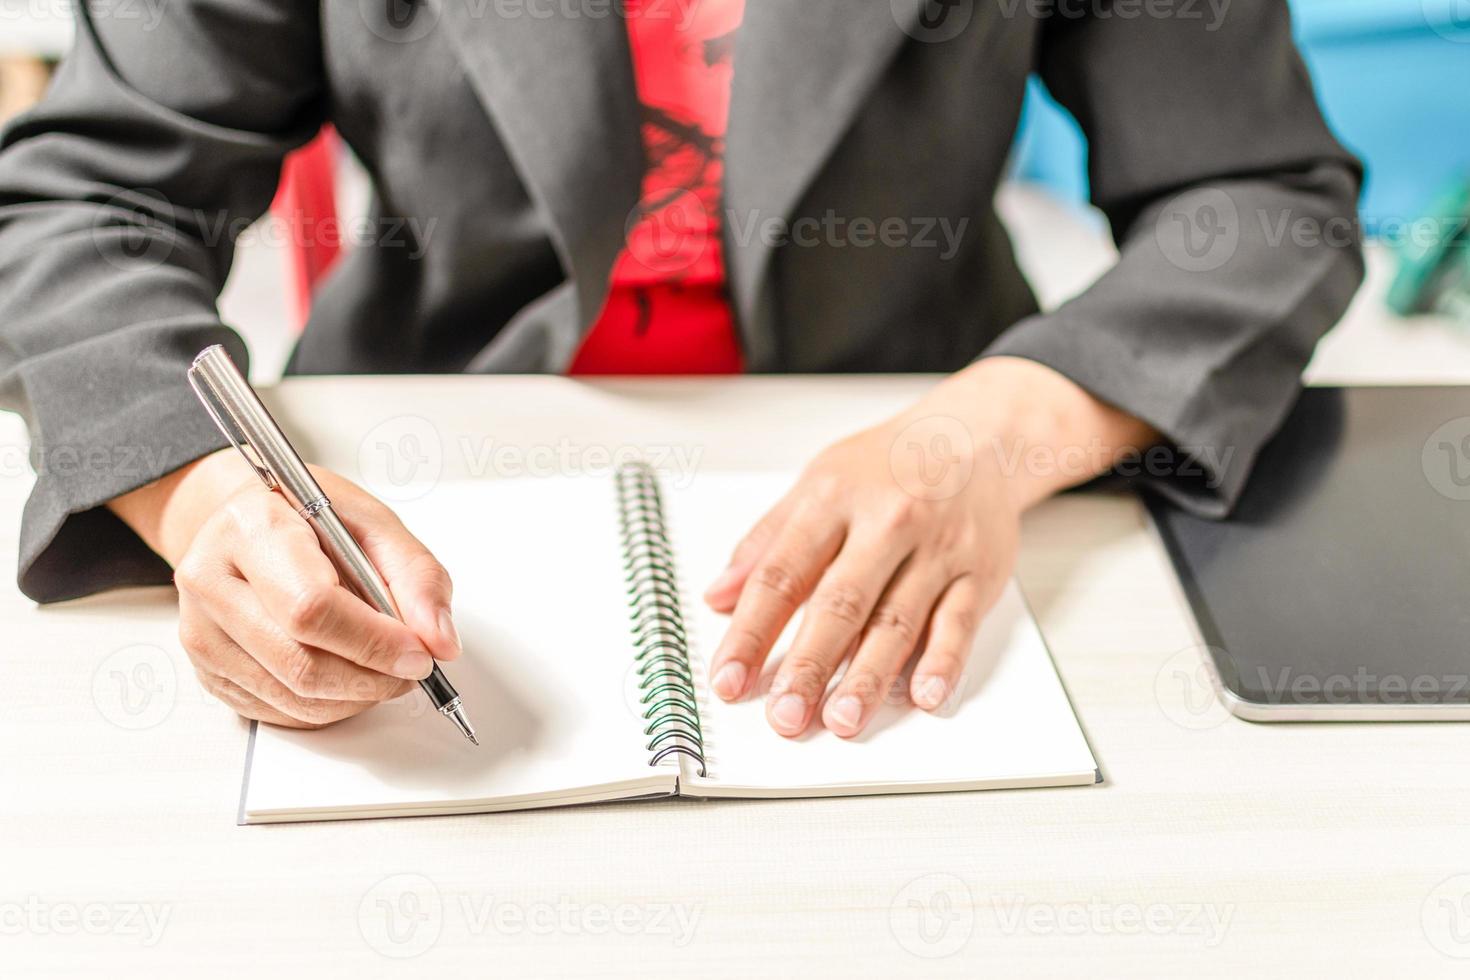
[536, 568]
[1009, 725]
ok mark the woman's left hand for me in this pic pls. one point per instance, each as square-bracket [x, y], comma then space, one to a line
[899, 539]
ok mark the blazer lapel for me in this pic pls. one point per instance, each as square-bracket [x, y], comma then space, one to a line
[561, 92]
[803, 68]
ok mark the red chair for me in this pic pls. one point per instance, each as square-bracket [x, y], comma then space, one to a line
[307, 203]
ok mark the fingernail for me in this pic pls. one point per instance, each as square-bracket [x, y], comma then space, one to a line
[788, 713]
[447, 630]
[725, 580]
[730, 680]
[414, 665]
[930, 691]
[844, 715]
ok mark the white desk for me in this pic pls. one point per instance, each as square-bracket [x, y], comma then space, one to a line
[44, 28]
[1214, 846]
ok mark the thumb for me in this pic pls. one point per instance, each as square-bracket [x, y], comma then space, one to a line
[725, 590]
[420, 585]
[423, 593]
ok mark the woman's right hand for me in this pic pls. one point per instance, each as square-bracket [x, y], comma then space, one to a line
[262, 613]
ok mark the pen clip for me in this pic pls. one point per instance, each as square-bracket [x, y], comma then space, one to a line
[231, 431]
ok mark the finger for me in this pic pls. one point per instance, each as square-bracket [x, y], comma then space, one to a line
[775, 589]
[835, 614]
[305, 671]
[951, 637]
[279, 556]
[245, 704]
[725, 590]
[421, 587]
[220, 657]
[889, 640]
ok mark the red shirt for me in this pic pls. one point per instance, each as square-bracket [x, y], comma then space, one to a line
[667, 310]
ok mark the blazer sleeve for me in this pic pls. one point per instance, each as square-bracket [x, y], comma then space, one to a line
[121, 198]
[1234, 210]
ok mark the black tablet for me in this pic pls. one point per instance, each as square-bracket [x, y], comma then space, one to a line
[1340, 587]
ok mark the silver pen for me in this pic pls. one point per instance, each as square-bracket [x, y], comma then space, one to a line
[240, 415]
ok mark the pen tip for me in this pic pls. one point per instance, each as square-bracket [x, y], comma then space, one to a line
[455, 713]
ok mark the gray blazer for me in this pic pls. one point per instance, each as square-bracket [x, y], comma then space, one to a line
[503, 140]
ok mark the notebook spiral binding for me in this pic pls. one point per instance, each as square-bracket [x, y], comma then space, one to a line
[666, 688]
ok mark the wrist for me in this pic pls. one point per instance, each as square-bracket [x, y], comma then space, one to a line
[168, 512]
[1034, 429]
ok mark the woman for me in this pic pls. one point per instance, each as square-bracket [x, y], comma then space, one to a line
[699, 186]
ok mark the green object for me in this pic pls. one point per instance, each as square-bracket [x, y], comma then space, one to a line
[1434, 260]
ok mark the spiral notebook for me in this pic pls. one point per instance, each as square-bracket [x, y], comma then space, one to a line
[586, 654]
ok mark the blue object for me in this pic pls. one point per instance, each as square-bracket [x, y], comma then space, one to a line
[1434, 268]
[1394, 80]
[1050, 148]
